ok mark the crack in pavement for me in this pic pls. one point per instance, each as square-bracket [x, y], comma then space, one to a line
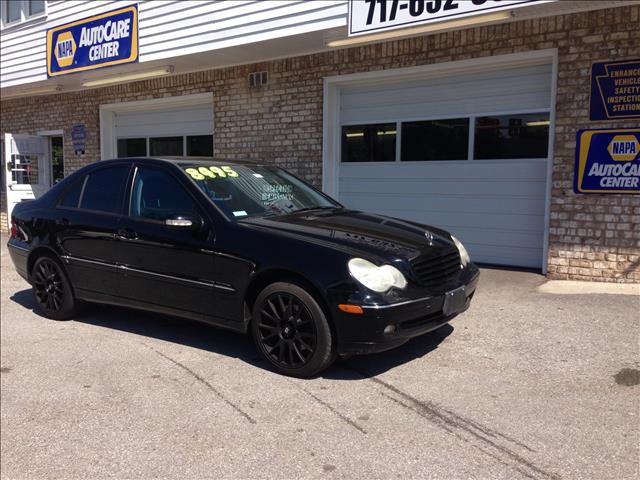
[333, 410]
[207, 384]
[457, 425]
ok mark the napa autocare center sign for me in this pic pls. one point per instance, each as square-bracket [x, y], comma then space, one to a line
[103, 40]
[608, 161]
[372, 16]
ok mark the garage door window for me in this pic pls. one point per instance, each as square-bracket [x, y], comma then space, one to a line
[132, 147]
[512, 136]
[369, 143]
[435, 140]
[166, 146]
[200, 146]
[172, 146]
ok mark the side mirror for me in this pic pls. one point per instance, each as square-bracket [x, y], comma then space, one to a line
[191, 222]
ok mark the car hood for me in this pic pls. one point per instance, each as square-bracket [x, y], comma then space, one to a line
[376, 235]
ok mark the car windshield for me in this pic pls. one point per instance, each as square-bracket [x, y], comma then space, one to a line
[256, 190]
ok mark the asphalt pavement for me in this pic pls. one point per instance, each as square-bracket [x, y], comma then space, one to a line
[523, 385]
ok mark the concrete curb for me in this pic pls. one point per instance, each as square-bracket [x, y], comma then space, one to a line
[572, 287]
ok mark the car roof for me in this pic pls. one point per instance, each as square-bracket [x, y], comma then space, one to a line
[183, 162]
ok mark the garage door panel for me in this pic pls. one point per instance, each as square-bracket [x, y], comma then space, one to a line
[506, 255]
[442, 204]
[184, 121]
[478, 170]
[488, 82]
[523, 89]
[505, 188]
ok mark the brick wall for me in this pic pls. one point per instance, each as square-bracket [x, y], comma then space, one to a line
[591, 237]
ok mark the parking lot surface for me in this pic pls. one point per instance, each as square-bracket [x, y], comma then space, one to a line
[523, 385]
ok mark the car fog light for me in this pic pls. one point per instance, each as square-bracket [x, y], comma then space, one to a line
[389, 329]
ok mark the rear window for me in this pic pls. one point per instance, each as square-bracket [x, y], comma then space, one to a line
[104, 189]
[71, 196]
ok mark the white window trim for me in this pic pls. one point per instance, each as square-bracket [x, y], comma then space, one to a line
[331, 125]
[24, 18]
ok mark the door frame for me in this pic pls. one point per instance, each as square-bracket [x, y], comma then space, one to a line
[108, 112]
[49, 159]
[331, 134]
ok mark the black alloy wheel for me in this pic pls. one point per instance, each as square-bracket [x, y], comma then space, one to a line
[291, 330]
[52, 289]
[286, 330]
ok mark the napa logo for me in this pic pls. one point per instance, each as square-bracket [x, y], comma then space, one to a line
[65, 49]
[624, 148]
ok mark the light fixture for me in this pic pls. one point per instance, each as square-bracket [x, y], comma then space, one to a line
[129, 77]
[32, 91]
[434, 27]
[387, 132]
[539, 123]
[357, 134]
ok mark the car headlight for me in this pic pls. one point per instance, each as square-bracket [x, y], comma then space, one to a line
[465, 259]
[378, 279]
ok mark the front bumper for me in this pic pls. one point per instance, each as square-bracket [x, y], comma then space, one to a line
[361, 334]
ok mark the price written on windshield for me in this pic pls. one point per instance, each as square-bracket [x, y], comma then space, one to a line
[201, 173]
[374, 15]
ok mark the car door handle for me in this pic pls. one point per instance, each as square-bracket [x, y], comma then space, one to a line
[127, 234]
[62, 221]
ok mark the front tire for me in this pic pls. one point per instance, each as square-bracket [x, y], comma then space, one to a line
[291, 331]
[52, 289]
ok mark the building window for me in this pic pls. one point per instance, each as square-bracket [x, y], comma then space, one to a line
[369, 143]
[132, 147]
[512, 136]
[35, 7]
[166, 146]
[435, 140]
[200, 146]
[17, 11]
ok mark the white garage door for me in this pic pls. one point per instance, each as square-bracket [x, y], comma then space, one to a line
[168, 132]
[465, 152]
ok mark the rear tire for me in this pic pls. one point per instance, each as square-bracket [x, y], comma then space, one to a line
[52, 289]
[291, 331]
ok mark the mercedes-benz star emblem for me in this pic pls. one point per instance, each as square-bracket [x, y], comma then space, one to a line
[429, 237]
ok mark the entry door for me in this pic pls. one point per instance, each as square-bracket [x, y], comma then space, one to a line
[27, 173]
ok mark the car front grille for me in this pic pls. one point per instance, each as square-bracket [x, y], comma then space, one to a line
[430, 270]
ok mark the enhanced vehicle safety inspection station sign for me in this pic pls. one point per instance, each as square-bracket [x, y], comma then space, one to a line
[110, 38]
[372, 16]
[615, 90]
[607, 161]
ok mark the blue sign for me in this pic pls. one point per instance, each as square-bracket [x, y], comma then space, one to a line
[79, 136]
[615, 90]
[107, 39]
[607, 161]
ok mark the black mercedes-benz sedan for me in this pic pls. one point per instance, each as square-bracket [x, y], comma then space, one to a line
[243, 246]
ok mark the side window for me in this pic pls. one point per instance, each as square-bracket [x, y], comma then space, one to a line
[104, 188]
[157, 195]
[71, 196]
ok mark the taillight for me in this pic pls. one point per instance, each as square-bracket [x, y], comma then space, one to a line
[14, 229]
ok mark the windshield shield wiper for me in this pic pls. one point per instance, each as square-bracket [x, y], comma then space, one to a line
[308, 209]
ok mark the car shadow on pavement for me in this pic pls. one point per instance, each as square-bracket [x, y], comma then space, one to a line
[223, 342]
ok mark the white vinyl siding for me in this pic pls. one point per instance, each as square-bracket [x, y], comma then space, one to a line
[495, 207]
[170, 28]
